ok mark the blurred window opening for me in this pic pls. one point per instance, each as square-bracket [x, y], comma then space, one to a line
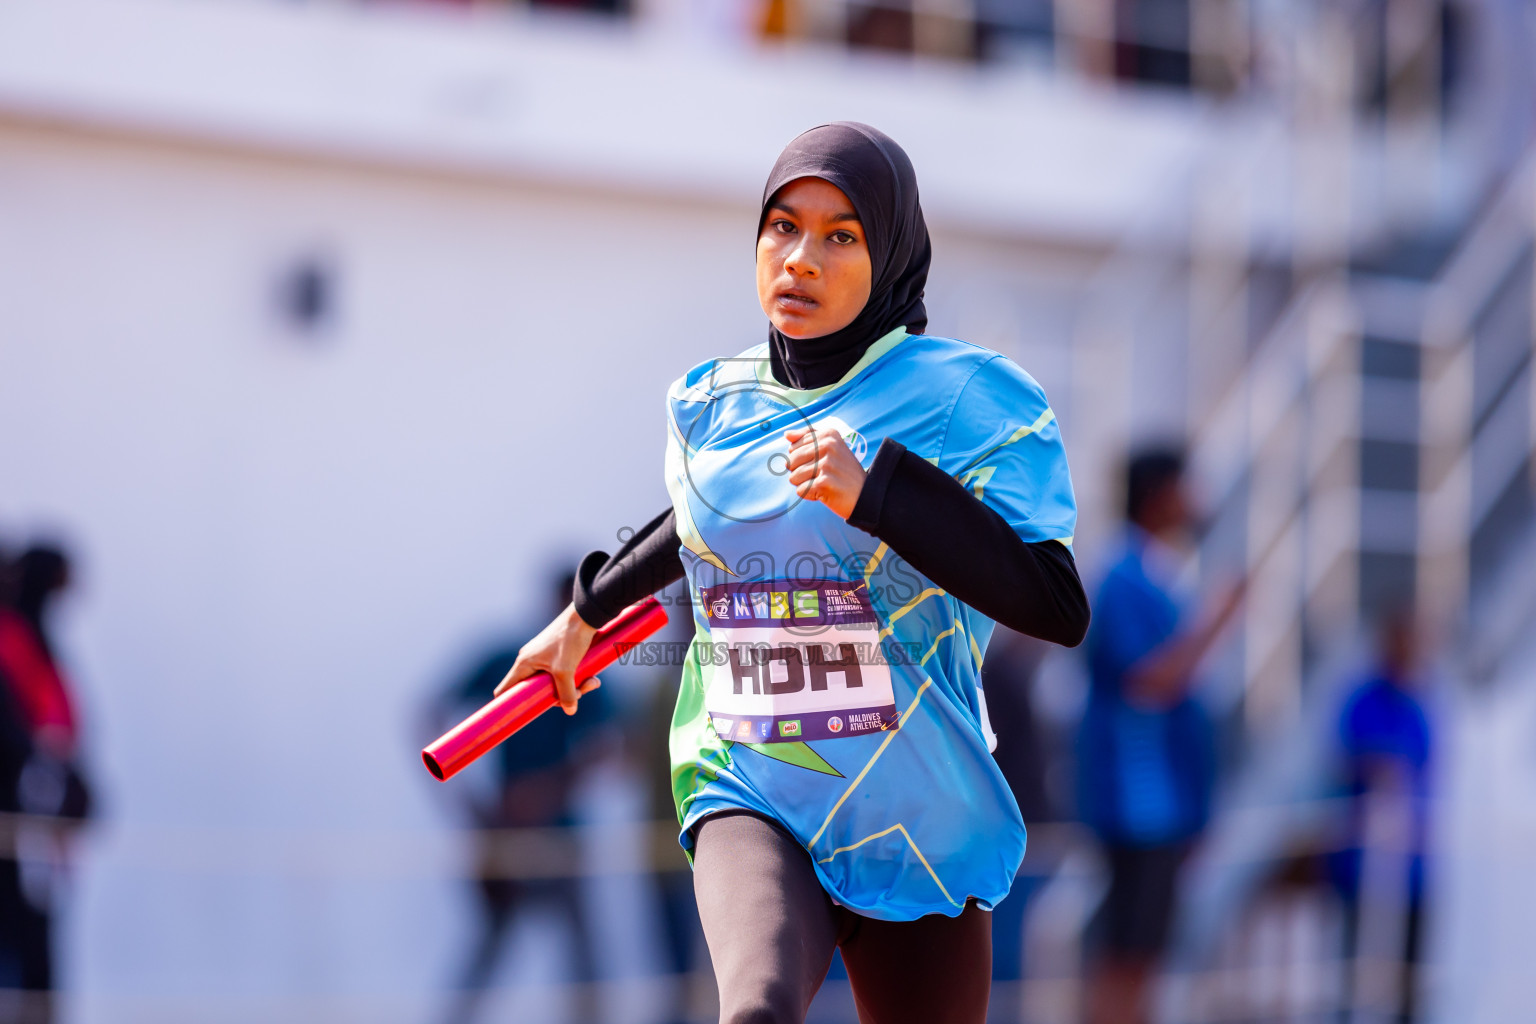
[618, 7]
[1217, 47]
[1152, 41]
[307, 294]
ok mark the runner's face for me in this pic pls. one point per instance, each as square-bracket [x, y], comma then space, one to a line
[813, 270]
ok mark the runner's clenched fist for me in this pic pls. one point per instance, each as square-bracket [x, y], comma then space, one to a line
[822, 468]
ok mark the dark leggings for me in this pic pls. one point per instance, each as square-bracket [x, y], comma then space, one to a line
[771, 930]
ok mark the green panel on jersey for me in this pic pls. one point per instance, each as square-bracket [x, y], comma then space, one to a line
[799, 754]
[697, 753]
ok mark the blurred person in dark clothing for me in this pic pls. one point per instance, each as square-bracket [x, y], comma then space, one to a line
[40, 575]
[17, 914]
[1146, 761]
[1008, 677]
[15, 750]
[1385, 746]
[40, 725]
[536, 774]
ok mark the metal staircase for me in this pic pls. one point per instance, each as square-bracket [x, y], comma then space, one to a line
[1377, 450]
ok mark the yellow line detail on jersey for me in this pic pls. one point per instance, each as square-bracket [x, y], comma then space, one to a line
[844, 849]
[899, 612]
[687, 530]
[952, 629]
[1020, 434]
[898, 827]
[977, 479]
[874, 561]
[1040, 422]
[880, 750]
[913, 706]
[976, 653]
[931, 873]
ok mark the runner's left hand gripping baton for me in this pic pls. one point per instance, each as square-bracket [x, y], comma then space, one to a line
[529, 698]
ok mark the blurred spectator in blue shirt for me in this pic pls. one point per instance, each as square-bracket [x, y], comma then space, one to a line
[1146, 764]
[1385, 749]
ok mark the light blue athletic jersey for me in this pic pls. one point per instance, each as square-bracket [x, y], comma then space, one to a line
[830, 686]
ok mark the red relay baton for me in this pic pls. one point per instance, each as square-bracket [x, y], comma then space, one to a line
[529, 698]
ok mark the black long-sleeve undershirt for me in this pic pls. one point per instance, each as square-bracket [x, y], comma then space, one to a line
[959, 542]
[647, 562]
[927, 517]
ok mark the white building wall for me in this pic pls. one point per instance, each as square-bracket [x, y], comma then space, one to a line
[287, 542]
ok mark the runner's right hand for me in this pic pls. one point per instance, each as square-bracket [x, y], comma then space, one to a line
[558, 649]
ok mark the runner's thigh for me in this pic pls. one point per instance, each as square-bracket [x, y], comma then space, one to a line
[770, 927]
[936, 969]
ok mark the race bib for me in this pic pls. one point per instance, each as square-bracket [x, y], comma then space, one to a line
[794, 661]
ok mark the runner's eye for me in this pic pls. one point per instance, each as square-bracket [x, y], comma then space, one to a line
[783, 227]
[844, 237]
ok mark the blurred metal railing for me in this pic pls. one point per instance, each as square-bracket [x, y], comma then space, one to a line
[1047, 999]
[1276, 421]
[1062, 855]
[1478, 396]
[645, 847]
[1212, 36]
[1284, 441]
[1221, 48]
[1279, 450]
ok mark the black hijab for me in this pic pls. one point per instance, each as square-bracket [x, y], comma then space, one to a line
[876, 176]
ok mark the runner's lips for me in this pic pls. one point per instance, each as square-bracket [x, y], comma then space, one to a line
[796, 299]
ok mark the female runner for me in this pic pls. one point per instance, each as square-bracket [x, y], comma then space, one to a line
[855, 504]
